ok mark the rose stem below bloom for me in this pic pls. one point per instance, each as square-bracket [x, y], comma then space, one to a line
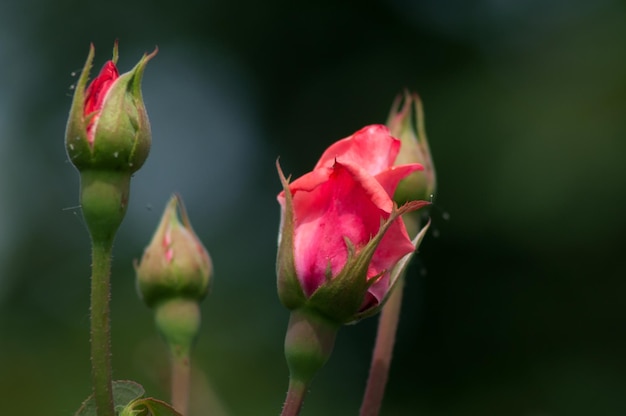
[295, 398]
[100, 327]
[385, 339]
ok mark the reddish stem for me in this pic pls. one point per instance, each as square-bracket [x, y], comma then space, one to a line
[383, 351]
[295, 398]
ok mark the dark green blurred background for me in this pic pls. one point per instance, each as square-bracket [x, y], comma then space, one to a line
[516, 305]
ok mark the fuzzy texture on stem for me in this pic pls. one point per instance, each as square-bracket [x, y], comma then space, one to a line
[100, 328]
[104, 197]
[295, 398]
[383, 351]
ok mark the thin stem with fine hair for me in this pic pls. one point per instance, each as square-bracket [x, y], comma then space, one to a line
[295, 398]
[383, 350]
[386, 337]
[100, 327]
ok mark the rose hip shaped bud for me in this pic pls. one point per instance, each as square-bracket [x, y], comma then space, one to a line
[406, 121]
[175, 264]
[341, 239]
[108, 127]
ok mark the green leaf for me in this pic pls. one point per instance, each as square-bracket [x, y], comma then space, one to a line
[124, 392]
[149, 407]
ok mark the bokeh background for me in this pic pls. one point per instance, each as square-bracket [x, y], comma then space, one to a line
[515, 306]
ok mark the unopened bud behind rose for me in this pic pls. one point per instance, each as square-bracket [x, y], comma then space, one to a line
[406, 122]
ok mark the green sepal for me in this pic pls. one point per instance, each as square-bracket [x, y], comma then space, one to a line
[122, 135]
[290, 291]
[76, 142]
[149, 406]
[340, 298]
[396, 274]
[124, 393]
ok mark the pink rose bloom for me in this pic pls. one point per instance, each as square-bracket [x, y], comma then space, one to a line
[340, 207]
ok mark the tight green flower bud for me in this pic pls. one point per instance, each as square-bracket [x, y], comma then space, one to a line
[406, 122]
[175, 265]
[108, 127]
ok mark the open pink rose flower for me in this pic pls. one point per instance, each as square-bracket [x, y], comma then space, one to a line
[343, 233]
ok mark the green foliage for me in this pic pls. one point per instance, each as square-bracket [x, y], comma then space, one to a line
[129, 401]
[124, 392]
[151, 407]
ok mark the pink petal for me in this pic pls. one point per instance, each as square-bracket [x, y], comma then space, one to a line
[96, 92]
[372, 148]
[390, 178]
[340, 207]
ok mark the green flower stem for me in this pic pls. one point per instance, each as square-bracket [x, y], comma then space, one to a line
[104, 197]
[295, 398]
[100, 328]
[181, 375]
[383, 351]
[386, 337]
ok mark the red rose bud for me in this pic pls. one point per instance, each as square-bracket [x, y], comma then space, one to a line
[342, 242]
[96, 91]
[108, 127]
[406, 122]
[175, 264]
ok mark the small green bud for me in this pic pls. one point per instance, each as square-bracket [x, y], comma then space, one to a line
[108, 127]
[175, 265]
[406, 122]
